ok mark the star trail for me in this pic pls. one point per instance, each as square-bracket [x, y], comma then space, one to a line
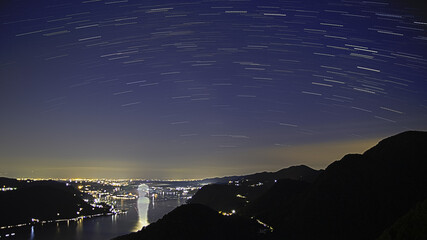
[189, 89]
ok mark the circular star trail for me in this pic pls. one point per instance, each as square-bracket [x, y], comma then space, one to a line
[202, 88]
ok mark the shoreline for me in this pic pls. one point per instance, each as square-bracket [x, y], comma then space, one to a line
[76, 219]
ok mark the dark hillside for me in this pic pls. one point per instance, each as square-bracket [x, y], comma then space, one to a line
[411, 226]
[194, 222]
[42, 200]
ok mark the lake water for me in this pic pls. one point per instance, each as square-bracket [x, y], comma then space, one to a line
[99, 228]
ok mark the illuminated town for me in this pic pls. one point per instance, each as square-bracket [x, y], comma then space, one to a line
[101, 192]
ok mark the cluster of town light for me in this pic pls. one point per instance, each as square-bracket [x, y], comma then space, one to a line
[4, 189]
[227, 213]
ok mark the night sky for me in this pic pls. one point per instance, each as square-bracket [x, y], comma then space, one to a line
[192, 89]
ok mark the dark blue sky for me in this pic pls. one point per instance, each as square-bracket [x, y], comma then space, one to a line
[162, 89]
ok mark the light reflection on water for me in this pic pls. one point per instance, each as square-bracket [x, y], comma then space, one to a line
[32, 233]
[79, 228]
[143, 203]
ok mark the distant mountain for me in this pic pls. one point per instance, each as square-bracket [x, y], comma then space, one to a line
[42, 200]
[245, 189]
[195, 222]
[301, 172]
[361, 196]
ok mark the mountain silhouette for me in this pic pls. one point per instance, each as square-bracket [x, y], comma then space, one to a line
[301, 172]
[356, 197]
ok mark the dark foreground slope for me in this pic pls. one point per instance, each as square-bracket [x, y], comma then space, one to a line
[42, 200]
[357, 197]
[194, 222]
[412, 225]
